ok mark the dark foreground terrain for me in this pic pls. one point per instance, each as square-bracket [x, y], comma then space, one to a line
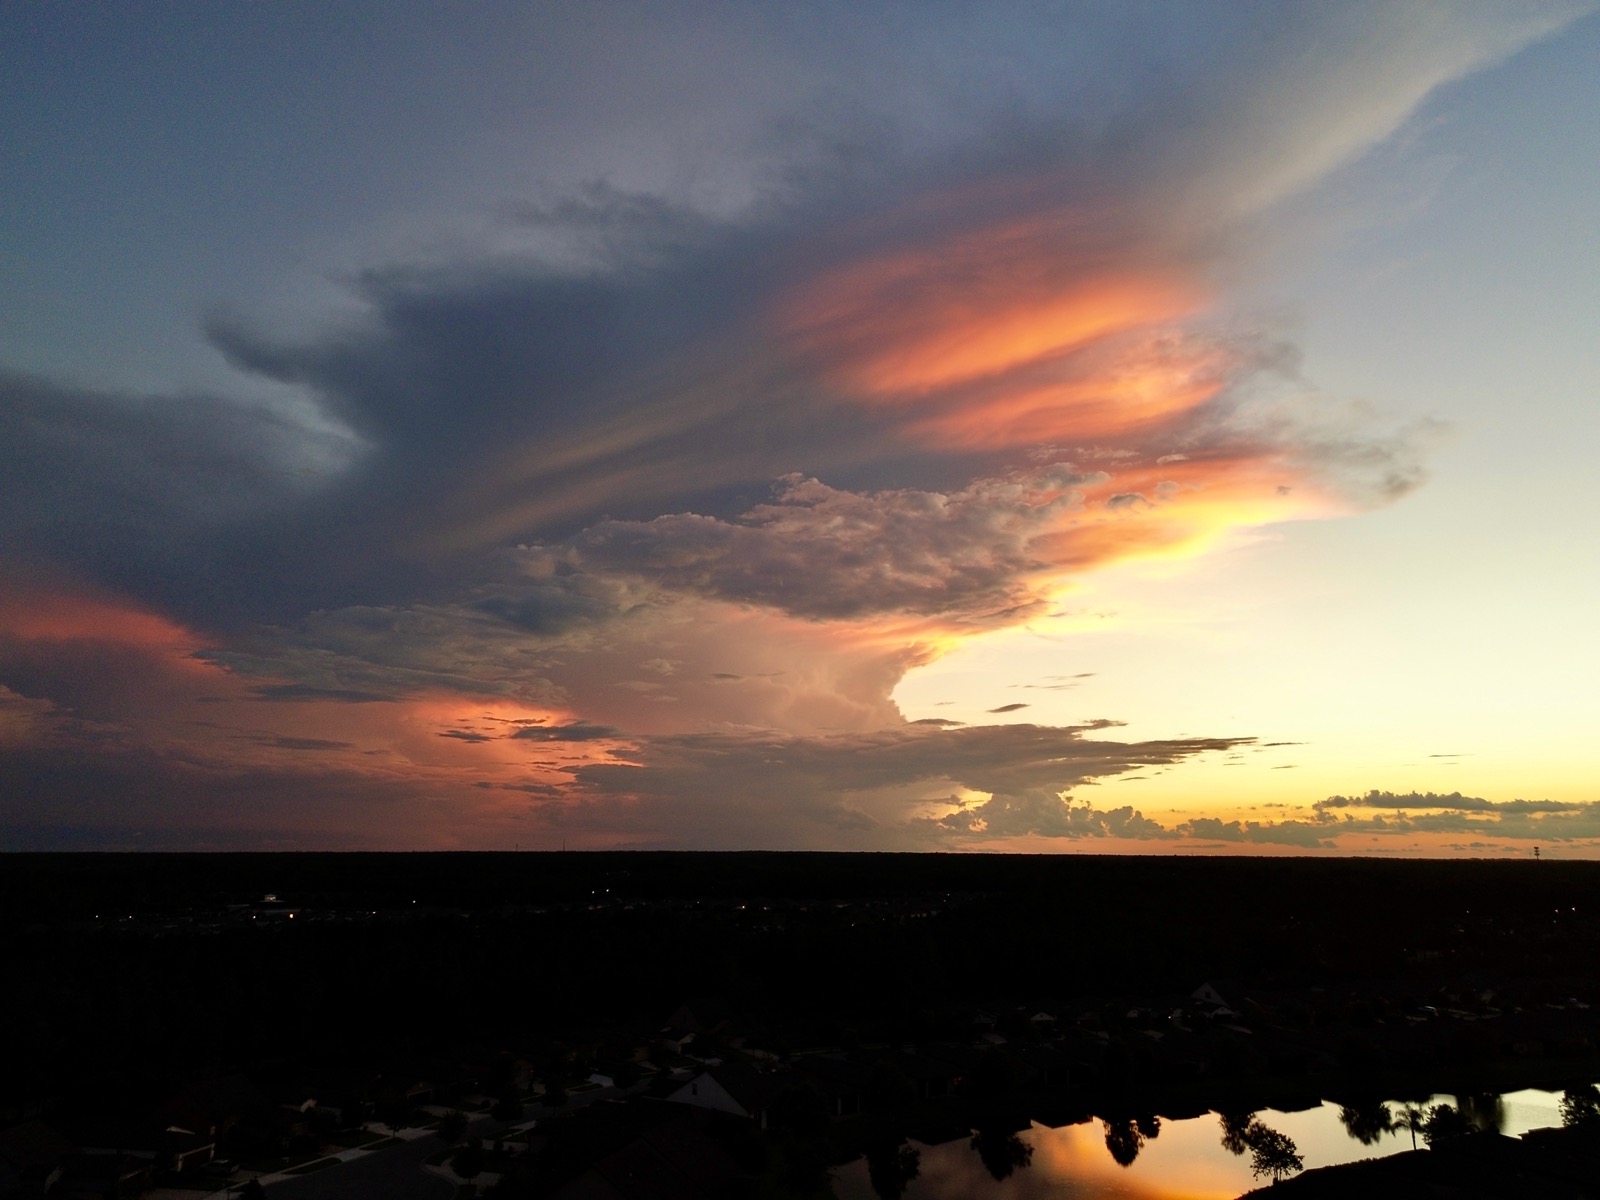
[839, 1002]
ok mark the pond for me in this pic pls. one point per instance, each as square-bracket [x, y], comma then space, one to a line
[1170, 1159]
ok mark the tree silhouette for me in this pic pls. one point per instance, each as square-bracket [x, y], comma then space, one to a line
[1001, 1151]
[800, 1108]
[887, 1088]
[991, 1076]
[468, 1162]
[890, 1168]
[1445, 1123]
[1123, 1140]
[453, 1126]
[1580, 1108]
[394, 1110]
[508, 1107]
[1366, 1121]
[500, 1075]
[1273, 1153]
[1413, 1120]
[1235, 1130]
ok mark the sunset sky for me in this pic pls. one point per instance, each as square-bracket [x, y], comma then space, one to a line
[1114, 427]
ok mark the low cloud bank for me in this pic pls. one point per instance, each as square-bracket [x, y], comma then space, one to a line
[1447, 801]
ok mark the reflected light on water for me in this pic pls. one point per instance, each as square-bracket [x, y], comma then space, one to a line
[1184, 1161]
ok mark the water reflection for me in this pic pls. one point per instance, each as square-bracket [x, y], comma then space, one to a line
[1001, 1151]
[1580, 1107]
[891, 1168]
[1366, 1120]
[1234, 1127]
[1485, 1112]
[1271, 1152]
[1131, 1155]
[1126, 1136]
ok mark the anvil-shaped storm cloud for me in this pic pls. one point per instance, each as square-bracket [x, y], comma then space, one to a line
[621, 522]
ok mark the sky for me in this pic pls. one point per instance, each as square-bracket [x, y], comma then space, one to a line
[1081, 426]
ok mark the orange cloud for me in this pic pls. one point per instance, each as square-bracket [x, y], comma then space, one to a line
[1181, 508]
[1006, 314]
[40, 615]
[1122, 386]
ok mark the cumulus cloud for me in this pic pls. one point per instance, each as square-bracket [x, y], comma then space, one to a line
[1452, 802]
[1048, 814]
[818, 551]
[1516, 819]
[1283, 833]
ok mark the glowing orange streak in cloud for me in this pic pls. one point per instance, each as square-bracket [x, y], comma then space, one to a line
[1164, 510]
[34, 614]
[900, 325]
[59, 617]
[1181, 509]
[1147, 384]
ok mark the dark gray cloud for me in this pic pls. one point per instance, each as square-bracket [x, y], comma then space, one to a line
[293, 692]
[1524, 820]
[1282, 833]
[118, 796]
[1451, 801]
[776, 790]
[304, 743]
[1005, 708]
[576, 731]
[135, 491]
[550, 609]
[988, 758]
[1045, 814]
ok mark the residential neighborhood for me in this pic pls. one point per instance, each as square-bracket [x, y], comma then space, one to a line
[599, 1028]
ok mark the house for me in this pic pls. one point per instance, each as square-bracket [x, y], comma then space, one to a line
[672, 1160]
[961, 1064]
[1221, 997]
[101, 1177]
[701, 1016]
[212, 1107]
[732, 1087]
[842, 1080]
[934, 1078]
[182, 1150]
[171, 1149]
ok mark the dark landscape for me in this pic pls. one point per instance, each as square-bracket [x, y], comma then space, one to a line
[266, 1011]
